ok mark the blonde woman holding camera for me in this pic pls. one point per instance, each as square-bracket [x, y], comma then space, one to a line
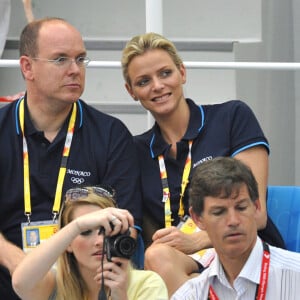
[88, 217]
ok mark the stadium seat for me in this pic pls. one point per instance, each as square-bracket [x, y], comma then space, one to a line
[283, 205]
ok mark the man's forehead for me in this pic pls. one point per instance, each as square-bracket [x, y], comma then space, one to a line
[67, 40]
[236, 194]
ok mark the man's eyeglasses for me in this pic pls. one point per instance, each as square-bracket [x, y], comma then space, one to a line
[76, 193]
[63, 61]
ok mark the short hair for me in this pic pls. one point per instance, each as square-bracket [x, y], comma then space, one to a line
[220, 177]
[140, 44]
[29, 36]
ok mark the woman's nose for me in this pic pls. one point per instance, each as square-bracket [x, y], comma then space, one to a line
[99, 240]
[157, 84]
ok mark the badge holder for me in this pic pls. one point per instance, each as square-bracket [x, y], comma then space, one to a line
[35, 233]
[204, 256]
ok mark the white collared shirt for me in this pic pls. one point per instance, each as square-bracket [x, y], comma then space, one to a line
[283, 282]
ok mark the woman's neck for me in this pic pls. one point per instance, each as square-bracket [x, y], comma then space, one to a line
[174, 126]
[92, 286]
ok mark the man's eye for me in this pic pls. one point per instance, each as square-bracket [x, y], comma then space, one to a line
[80, 59]
[241, 208]
[87, 232]
[61, 60]
[217, 212]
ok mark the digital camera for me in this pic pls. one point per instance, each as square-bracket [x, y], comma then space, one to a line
[120, 245]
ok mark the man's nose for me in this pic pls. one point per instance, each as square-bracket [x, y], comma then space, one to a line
[233, 218]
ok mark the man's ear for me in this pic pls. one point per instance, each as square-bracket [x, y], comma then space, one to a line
[257, 208]
[257, 204]
[130, 91]
[198, 220]
[26, 67]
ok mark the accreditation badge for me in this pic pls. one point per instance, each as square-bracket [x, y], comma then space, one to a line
[35, 233]
[204, 256]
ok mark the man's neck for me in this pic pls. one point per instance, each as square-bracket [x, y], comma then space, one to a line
[47, 118]
[233, 265]
[232, 269]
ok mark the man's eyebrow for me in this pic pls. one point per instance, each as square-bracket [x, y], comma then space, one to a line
[243, 200]
[216, 207]
[63, 54]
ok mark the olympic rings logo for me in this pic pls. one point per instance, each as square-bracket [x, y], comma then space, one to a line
[77, 180]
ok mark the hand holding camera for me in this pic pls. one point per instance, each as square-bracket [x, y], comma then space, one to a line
[120, 245]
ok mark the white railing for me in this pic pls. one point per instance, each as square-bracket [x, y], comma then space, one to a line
[13, 63]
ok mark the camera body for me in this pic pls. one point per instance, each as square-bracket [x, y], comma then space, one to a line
[120, 245]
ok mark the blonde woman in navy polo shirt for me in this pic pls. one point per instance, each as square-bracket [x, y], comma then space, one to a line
[184, 135]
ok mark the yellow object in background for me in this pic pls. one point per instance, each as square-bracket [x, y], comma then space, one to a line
[204, 256]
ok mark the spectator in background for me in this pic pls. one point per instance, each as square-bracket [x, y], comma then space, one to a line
[5, 7]
[28, 10]
[4, 22]
[224, 202]
[4, 26]
[184, 135]
[57, 141]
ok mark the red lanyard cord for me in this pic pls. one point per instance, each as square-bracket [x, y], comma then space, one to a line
[261, 288]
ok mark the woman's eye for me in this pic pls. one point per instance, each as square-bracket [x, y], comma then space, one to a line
[165, 73]
[87, 232]
[142, 82]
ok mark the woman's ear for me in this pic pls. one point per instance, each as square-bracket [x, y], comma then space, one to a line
[69, 249]
[182, 71]
[130, 92]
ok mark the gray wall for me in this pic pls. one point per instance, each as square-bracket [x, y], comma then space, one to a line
[210, 30]
[273, 93]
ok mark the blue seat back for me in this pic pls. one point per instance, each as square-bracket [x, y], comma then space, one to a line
[283, 205]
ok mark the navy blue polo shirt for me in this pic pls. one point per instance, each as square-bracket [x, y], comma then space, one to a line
[216, 130]
[102, 151]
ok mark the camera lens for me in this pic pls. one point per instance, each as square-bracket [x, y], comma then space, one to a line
[120, 245]
[125, 245]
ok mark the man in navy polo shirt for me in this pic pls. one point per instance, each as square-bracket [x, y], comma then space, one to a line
[51, 141]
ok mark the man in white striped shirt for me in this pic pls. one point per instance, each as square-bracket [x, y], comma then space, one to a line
[224, 202]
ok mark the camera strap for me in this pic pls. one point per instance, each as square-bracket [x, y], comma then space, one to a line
[102, 294]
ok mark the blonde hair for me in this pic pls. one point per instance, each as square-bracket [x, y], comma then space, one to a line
[70, 284]
[140, 44]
